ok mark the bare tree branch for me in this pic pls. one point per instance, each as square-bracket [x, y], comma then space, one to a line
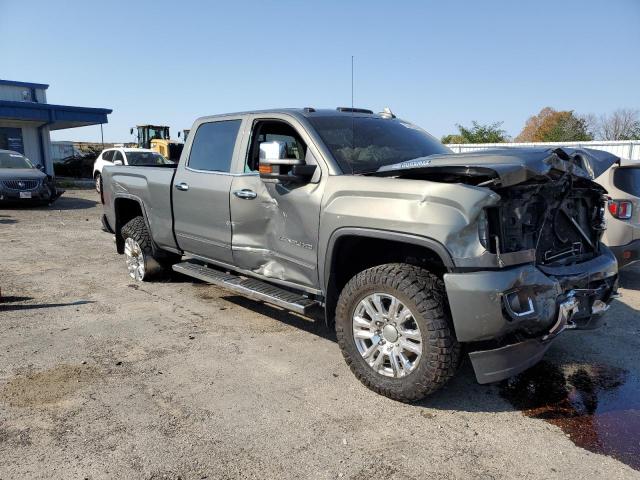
[623, 124]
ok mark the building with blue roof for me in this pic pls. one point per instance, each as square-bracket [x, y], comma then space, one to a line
[26, 120]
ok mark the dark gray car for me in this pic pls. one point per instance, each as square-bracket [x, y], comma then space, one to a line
[410, 250]
[22, 182]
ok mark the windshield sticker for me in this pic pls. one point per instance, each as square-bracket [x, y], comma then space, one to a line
[411, 164]
[411, 126]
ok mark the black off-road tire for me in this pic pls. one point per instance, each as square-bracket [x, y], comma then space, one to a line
[136, 229]
[424, 294]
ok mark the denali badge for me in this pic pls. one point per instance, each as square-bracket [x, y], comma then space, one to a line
[416, 163]
[297, 243]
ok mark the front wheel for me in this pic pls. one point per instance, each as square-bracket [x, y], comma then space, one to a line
[393, 330]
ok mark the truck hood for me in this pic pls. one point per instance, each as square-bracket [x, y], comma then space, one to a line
[504, 167]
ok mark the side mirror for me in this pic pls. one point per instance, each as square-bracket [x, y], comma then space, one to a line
[275, 167]
[117, 162]
[40, 167]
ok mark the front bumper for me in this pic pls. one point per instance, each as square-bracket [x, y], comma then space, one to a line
[627, 254]
[510, 317]
[40, 194]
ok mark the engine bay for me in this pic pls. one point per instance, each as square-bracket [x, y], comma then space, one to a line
[560, 217]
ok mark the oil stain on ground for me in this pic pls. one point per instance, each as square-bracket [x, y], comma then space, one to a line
[597, 406]
[47, 386]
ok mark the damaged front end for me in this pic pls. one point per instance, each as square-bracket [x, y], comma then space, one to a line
[559, 219]
[543, 268]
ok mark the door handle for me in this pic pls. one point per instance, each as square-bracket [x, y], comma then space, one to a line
[182, 186]
[245, 194]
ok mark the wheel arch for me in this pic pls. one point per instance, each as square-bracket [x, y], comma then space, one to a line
[126, 208]
[356, 243]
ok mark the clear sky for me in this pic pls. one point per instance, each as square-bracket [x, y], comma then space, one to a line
[433, 63]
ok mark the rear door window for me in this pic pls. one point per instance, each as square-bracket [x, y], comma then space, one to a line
[627, 179]
[213, 144]
[118, 156]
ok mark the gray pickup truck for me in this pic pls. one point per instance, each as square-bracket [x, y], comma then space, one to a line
[412, 251]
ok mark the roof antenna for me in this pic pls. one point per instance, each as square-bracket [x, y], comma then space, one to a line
[352, 81]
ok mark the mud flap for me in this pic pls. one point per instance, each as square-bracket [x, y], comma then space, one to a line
[55, 194]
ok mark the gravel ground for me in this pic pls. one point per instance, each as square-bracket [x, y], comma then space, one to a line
[101, 377]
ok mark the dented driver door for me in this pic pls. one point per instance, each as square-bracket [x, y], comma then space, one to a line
[275, 225]
[275, 232]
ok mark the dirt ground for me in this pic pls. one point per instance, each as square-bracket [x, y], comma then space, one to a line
[101, 377]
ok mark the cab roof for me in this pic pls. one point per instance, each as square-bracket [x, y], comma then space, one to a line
[308, 112]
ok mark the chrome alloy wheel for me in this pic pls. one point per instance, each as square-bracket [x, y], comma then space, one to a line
[387, 335]
[135, 259]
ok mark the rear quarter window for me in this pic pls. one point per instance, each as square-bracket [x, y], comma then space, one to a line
[627, 179]
[108, 155]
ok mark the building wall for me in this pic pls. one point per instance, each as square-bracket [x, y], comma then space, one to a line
[16, 93]
[35, 150]
[31, 142]
[61, 149]
[46, 146]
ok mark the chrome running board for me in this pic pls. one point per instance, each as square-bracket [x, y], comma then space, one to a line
[248, 287]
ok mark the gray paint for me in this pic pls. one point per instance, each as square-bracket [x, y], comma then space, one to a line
[287, 233]
[622, 235]
[476, 301]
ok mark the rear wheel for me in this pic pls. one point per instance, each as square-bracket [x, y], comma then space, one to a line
[393, 330]
[138, 251]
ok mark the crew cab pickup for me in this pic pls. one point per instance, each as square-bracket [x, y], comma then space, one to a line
[412, 251]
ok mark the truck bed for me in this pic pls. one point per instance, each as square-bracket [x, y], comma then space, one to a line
[150, 185]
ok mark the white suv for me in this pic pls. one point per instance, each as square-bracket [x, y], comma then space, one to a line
[125, 156]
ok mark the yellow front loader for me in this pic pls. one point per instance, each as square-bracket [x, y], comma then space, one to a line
[156, 138]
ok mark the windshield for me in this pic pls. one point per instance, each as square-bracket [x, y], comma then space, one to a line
[627, 179]
[364, 144]
[146, 159]
[14, 160]
[158, 133]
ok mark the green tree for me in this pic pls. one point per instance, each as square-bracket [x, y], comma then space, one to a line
[478, 133]
[553, 126]
[453, 139]
[567, 128]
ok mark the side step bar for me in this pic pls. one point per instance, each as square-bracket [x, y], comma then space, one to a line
[249, 287]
